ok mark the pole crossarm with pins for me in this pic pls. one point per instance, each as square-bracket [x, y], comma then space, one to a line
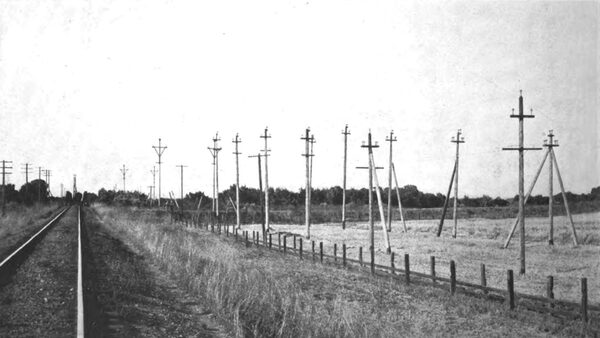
[6, 167]
[160, 149]
[308, 140]
[237, 141]
[345, 132]
[124, 173]
[266, 151]
[391, 139]
[260, 187]
[214, 151]
[521, 149]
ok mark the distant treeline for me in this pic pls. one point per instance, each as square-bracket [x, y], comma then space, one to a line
[29, 193]
[279, 197]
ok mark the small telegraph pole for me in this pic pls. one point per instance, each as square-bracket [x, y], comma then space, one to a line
[27, 170]
[124, 173]
[521, 149]
[345, 132]
[308, 140]
[48, 173]
[39, 184]
[181, 166]
[6, 167]
[266, 151]
[237, 141]
[260, 187]
[159, 151]
[214, 151]
[153, 191]
[391, 139]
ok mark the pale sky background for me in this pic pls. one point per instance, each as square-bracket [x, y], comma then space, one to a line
[87, 86]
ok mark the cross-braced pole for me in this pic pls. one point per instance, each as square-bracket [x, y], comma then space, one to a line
[181, 166]
[308, 140]
[521, 150]
[369, 146]
[237, 141]
[266, 151]
[215, 154]
[159, 151]
[391, 139]
[458, 140]
[550, 143]
[345, 132]
[124, 173]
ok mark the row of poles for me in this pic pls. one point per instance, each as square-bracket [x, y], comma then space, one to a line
[386, 222]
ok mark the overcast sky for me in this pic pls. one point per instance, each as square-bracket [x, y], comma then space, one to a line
[87, 86]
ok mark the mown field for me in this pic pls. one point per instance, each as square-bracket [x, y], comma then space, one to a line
[480, 241]
[266, 294]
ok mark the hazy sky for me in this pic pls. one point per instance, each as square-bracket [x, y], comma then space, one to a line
[87, 86]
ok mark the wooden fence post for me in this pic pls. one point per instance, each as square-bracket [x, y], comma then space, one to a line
[279, 241]
[253, 237]
[335, 252]
[550, 289]
[284, 244]
[452, 277]
[270, 241]
[246, 235]
[360, 258]
[321, 251]
[407, 268]
[483, 279]
[294, 242]
[372, 249]
[584, 300]
[313, 251]
[392, 265]
[432, 260]
[344, 254]
[300, 252]
[511, 289]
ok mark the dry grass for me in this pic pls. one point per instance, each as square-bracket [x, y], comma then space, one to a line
[480, 241]
[266, 294]
[21, 220]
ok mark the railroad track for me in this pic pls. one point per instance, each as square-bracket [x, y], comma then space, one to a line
[41, 271]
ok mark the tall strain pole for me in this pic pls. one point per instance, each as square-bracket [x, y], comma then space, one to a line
[308, 155]
[550, 143]
[370, 147]
[390, 139]
[345, 132]
[124, 173]
[215, 154]
[237, 141]
[181, 166]
[458, 140]
[6, 166]
[521, 150]
[266, 151]
[159, 151]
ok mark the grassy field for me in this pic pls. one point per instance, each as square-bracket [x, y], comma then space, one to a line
[480, 241]
[20, 221]
[267, 294]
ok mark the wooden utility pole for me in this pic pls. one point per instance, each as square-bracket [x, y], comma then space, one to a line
[549, 144]
[458, 140]
[124, 173]
[370, 147]
[153, 191]
[266, 151]
[48, 173]
[39, 184]
[345, 132]
[159, 151]
[391, 139]
[308, 139]
[27, 170]
[6, 167]
[521, 149]
[74, 185]
[181, 166]
[260, 187]
[237, 141]
[214, 151]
